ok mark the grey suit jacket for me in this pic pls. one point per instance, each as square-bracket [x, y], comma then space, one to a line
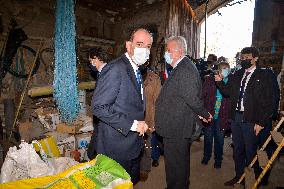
[117, 103]
[180, 102]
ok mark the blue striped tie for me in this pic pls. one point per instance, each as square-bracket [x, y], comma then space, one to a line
[139, 79]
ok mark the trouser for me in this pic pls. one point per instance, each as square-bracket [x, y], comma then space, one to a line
[177, 162]
[245, 144]
[132, 167]
[215, 133]
[155, 153]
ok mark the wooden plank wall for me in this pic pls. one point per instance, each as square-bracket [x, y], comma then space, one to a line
[181, 20]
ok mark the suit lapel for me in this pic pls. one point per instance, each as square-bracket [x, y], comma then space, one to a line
[105, 68]
[239, 78]
[251, 81]
[100, 74]
[131, 73]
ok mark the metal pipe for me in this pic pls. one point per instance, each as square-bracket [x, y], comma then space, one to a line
[205, 29]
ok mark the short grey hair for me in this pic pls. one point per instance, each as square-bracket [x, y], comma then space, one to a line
[180, 40]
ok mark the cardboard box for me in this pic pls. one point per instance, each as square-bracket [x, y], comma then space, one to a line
[71, 129]
[83, 140]
[66, 146]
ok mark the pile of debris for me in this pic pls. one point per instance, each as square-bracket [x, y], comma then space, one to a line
[72, 139]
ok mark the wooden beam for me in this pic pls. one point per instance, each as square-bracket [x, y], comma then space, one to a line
[48, 90]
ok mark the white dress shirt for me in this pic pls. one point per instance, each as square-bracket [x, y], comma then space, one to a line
[101, 67]
[178, 61]
[247, 80]
[135, 68]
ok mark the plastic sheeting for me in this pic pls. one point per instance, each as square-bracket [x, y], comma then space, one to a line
[25, 163]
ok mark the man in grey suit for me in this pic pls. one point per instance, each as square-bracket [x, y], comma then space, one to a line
[177, 109]
[119, 104]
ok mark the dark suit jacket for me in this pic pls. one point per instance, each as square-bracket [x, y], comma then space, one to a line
[117, 103]
[258, 97]
[180, 102]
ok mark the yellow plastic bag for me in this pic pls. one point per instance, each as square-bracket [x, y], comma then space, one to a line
[49, 146]
[100, 173]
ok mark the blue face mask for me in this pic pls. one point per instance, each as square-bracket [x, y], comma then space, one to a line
[225, 72]
[168, 58]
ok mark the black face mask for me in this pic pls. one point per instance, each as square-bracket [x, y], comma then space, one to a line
[246, 63]
[93, 68]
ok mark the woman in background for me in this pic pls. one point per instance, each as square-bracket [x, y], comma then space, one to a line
[217, 105]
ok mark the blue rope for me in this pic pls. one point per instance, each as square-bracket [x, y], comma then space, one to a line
[65, 73]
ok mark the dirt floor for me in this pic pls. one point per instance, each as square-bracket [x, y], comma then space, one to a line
[205, 176]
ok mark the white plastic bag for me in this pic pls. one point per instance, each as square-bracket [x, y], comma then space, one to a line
[22, 163]
[26, 163]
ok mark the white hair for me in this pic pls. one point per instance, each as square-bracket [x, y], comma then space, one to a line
[181, 42]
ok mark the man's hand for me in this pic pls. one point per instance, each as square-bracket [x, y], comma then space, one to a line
[210, 117]
[206, 120]
[218, 77]
[257, 129]
[152, 129]
[142, 127]
[203, 119]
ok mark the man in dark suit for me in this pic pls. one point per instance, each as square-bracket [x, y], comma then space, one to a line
[119, 104]
[177, 110]
[98, 58]
[250, 91]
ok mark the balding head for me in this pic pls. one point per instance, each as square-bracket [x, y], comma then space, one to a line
[139, 31]
[140, 38]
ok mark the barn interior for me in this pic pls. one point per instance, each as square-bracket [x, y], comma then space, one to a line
[29, 109]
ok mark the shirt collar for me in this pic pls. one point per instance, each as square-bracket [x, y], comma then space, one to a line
[178, 61]
[250, 71]
[102, 66]
[134, 66]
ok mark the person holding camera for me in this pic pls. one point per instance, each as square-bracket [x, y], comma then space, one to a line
[217, 105]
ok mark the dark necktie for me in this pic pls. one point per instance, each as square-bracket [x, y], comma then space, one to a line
[139, 79]
[242, 90]
[169, 69]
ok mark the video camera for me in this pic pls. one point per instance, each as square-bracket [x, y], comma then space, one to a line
[206, 68]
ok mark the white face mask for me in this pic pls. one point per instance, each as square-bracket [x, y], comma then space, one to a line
[140, 56]
[167, 57]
